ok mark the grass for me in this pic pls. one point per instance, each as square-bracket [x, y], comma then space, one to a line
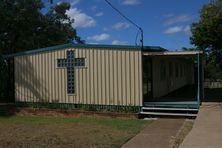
[186, 128]
[48, 131]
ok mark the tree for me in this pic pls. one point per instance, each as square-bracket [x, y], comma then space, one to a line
[23, 26]
[207, 36]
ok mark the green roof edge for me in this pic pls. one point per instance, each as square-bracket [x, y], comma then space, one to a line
[57, 47]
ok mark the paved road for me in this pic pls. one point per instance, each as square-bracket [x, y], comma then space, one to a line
[159, 134]
[207, 129]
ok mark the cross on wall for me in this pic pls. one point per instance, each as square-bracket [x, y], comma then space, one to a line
[70, 63]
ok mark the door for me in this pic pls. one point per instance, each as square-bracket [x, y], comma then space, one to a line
[147, 79]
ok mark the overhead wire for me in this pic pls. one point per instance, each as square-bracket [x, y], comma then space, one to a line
[137, 33]
[129, 20]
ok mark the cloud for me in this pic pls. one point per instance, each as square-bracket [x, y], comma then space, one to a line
[106, 29]
[99, 14]
[74, 2]
[99, 37]
[130, 2]
[187, 30]
[120, 26]
[176, 29]
[94, 43]
[81, 20]
[173, 30]
[117, 42]
[93, 8]
[172, 19]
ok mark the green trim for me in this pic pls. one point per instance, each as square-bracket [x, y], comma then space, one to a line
[182, 104]
[86, 107]
[40, 50]
[59, 47]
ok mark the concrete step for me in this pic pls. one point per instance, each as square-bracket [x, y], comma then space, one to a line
[169, 109]
[168, 114]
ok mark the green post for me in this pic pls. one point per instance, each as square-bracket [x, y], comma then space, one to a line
[198, 79]
[202, 70]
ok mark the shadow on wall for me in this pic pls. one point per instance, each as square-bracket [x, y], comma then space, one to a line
[213, 91]
[6, 81]
[185, 93]
[213, 95]
[30, 87]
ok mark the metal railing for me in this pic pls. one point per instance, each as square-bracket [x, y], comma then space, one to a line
[213, 84]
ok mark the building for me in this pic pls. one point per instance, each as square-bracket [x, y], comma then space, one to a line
[103, 75]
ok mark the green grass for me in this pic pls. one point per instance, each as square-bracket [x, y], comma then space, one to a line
[48, 131]
[184, 131]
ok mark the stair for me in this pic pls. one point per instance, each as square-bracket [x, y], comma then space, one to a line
[169, 111]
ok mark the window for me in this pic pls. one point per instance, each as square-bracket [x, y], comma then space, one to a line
[181, 70]
[170, 70]
[176, 70]
[70, 80]
[184, 70]
[70, 63]
[163, 71]
[80, 62]
[61, 63]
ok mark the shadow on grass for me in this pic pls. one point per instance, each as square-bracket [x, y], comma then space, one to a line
[7, 110]
[213, 95]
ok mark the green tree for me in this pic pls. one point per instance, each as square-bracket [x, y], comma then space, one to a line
[23, 26]
[207, 36]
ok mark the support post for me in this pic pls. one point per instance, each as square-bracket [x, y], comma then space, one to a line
[198, 79]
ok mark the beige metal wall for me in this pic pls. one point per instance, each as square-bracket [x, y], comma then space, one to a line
[110, 77]
[162, 87]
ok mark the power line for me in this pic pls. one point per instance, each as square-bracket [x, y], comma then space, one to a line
[136, 37]
[129, 20]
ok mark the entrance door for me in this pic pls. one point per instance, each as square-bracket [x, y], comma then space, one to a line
[147, 79]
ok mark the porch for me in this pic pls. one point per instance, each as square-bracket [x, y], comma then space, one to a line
[172, 83]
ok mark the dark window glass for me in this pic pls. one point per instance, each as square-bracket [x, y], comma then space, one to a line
[80, 62]
[170, 70]
[176, 70]
[61, 62]
[181, 70]
[163, 70]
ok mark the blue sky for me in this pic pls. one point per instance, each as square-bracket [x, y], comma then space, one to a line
[166, 23]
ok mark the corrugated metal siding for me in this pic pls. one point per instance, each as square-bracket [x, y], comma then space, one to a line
[110, 77]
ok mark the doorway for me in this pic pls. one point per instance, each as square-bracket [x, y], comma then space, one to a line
[147, 79]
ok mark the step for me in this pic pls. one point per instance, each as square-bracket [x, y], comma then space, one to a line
[171, 105]
[168, 114]
[170, 109]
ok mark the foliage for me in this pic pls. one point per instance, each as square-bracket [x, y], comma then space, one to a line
[84, 107]
[2, 78]
[188, 49]
[24, 26]
[6, 82]
[207, 36]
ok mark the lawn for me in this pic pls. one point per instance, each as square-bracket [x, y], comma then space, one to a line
[184, 131]
[48, 131]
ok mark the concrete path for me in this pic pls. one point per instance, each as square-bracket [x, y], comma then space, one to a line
[159, 134]
[207, 129]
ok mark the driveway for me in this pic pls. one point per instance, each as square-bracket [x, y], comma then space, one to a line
[207, 129]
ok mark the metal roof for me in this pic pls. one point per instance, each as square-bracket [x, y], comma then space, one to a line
[97, 46]
[174, 53]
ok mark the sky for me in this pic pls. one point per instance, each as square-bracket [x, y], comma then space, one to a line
[165, 23]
